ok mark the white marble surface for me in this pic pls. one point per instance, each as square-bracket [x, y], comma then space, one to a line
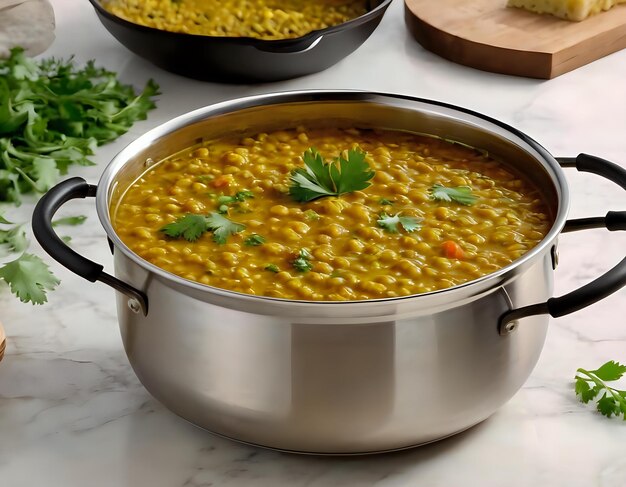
[72, 413]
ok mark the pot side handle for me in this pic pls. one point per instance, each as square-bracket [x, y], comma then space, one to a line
[45, 209]
[608, 283]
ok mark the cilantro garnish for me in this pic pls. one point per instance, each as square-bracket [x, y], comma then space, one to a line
[225, 201]
[385, 202]
[460, 194]
[254, 240]
[334, 178]
[589, 384]
[29, 278]
[390, 223]
[302, 262]
[192, 226]
[272, 268]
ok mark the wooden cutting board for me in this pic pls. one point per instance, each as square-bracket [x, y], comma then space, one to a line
[485, 34]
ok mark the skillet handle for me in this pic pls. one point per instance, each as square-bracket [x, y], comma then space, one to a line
[608, 283]
[47, 206]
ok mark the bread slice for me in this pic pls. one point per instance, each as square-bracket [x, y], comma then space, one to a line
[566, 9]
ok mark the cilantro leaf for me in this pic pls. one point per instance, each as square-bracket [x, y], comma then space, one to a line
[272, 268]
[222, 227]
[254, 240]
[4, 221]
[302, 262]
[70, 220]
[28, 278]
[385, 202]
[190, 227]
[13, 240]
[460, 194]
[610, 371]
[591, 383]
[390, 223]
[340, 176]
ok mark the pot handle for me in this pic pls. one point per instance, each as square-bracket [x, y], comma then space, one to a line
[45, 209]
[608, 283]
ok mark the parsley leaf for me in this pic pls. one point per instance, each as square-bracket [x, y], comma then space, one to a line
[272, 268]
[460, 194]
[28, 278]
[340, 176]
[302, 262]
[254, 240]
[390, 223]
[589, 384]
[70, 220]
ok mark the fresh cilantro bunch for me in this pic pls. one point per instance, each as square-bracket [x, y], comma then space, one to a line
[589, 384]
[54, 114]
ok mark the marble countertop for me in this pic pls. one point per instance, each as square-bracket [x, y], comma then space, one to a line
[72, 412]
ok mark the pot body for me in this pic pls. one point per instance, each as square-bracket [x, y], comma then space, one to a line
[239, 60]
[334, 377]
[362, 385]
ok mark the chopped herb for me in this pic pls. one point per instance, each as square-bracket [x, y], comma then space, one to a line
[205, 178]
[254, 240]
[272, 268]
[70, 220]
[334, 178]
[591, 383]
[386, 202]
[66, 238]
[54, 114]
[239, 197]
[311, 215]
[302, 262]
[4, 220]
[192, 226]
[460, 194]
[390, 223]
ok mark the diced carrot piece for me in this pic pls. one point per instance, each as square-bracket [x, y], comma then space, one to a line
[452, 250]
[222, 181]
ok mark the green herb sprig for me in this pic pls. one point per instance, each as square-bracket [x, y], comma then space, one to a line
[589, 384]
[192, 226]
[333, 178]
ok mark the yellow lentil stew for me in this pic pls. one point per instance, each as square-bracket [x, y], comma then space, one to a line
[264, 19]
[424, 215]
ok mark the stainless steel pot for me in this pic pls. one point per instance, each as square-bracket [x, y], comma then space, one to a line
[336, 377]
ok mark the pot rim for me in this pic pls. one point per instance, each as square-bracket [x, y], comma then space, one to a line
[474, 287]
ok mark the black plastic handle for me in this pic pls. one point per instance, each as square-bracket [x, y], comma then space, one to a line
[605, 285]
[45, 210]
